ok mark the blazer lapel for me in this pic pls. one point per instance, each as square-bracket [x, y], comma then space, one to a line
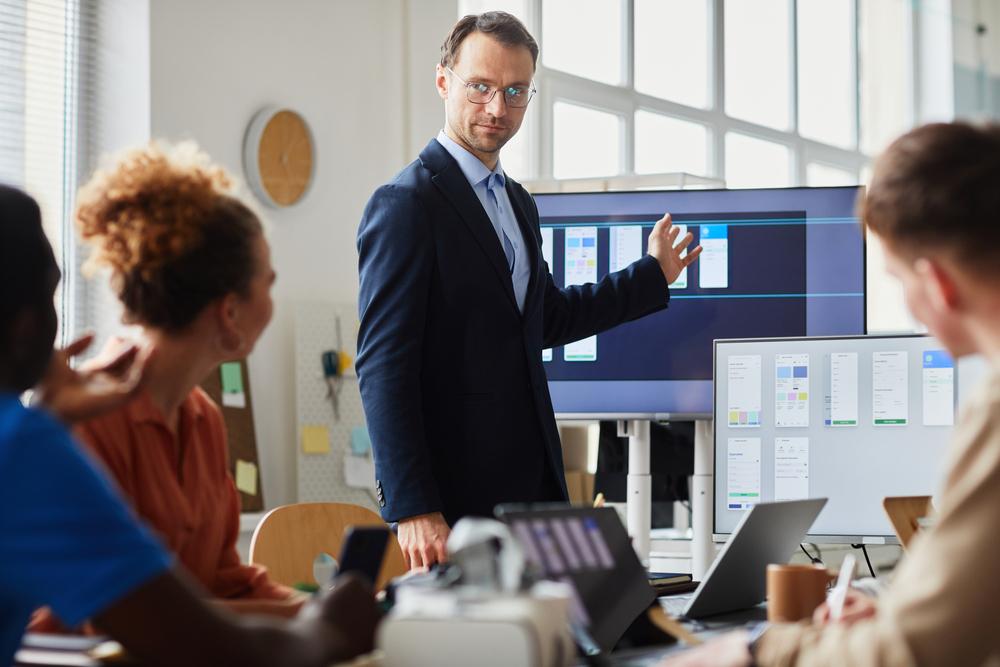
[450, 180]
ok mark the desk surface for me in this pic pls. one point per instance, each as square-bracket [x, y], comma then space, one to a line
[40, 655]
[704, 629]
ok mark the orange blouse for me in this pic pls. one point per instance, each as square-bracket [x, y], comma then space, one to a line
[181, 486]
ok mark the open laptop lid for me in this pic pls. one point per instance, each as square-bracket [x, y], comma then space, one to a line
[767, 533]
[588, 549]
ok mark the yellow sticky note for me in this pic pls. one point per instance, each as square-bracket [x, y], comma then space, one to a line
[315, 440]
[344, 362]
[246, 477]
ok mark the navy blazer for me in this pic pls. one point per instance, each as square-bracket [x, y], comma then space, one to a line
[450, 371]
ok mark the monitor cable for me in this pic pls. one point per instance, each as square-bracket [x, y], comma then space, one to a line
[815, 560]
[868, 560]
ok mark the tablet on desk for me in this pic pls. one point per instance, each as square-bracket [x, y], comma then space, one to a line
[363, 551]
[588, 549]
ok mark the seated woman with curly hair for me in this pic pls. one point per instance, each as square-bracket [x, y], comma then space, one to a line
[191, 267]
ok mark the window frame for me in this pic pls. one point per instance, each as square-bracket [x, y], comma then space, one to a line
[624, 100]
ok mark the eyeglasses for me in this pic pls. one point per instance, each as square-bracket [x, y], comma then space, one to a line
[480, 93]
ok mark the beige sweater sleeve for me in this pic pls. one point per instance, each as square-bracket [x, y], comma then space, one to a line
[944, 603]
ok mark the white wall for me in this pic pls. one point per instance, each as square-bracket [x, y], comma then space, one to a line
[359, 73]
[428, 22]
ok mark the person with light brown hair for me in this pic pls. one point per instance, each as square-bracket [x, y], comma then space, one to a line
[935, 205]
[191, 266]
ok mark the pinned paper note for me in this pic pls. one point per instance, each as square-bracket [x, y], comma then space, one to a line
[359, 471]
[246, 477]
[361, 443]
[315, 440]
[344, 362]
[232, 385]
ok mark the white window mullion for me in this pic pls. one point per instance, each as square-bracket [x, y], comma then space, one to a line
[71, 316]
[798, 164]
[718, 69]
[914, 61]
[628, 76]
[856, 74]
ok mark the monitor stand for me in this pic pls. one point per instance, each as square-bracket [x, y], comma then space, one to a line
[639, 492]
[639, 485]
[702, 495]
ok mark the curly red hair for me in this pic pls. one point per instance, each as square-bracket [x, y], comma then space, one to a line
[165, 221]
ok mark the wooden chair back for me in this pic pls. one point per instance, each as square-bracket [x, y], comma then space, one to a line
[904, 513]
[289, 538]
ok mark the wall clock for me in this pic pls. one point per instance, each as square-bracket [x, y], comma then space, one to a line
[278, 156]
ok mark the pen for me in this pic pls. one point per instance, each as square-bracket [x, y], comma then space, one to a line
[840, 590]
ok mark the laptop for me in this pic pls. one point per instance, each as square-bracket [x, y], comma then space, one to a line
[589, 549]
[737, 579]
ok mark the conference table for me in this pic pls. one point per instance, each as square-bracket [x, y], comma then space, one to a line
[63, 651]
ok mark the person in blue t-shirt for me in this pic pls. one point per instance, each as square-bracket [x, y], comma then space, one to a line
[66, 538]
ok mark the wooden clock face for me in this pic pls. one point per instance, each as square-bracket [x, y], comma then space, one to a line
[285, 157]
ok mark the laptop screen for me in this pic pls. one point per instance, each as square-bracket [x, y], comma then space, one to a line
[588, 549]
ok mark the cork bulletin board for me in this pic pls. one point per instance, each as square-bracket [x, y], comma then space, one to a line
[244, 465]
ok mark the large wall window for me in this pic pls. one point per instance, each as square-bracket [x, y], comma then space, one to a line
[38, 113]
[755, 93]
[73, 86]
[752, 92]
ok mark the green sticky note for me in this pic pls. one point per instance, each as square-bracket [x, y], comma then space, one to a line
[232, 378]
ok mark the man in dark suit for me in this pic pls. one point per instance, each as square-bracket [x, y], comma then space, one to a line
[457, 305]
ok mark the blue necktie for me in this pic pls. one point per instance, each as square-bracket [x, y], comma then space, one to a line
[508, 247]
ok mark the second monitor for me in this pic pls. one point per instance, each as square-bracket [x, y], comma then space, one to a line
[853, 419]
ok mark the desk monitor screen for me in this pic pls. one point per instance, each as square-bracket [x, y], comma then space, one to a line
[853, 419]
[776, 262]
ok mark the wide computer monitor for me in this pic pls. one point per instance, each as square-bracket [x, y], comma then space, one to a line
[776, 262]
[853, 419]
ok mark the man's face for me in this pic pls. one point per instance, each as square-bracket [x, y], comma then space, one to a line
[931, 297]
[483, 129]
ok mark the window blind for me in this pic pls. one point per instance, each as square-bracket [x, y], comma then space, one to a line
[54, 83]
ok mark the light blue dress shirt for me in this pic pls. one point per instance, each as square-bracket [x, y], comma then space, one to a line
[489, 186]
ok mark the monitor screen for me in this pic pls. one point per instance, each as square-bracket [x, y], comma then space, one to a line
[776, 262]
[853, 419]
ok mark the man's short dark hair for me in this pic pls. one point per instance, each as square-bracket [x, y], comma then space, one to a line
[501, 26]
[936, 187]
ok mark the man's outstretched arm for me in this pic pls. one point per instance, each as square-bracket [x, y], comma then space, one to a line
[641, 288]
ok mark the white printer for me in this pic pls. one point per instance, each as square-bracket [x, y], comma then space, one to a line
[451, 627]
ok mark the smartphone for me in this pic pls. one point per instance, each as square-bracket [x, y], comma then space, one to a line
[363, 550]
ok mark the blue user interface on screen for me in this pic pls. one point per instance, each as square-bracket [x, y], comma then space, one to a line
[775, 262]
